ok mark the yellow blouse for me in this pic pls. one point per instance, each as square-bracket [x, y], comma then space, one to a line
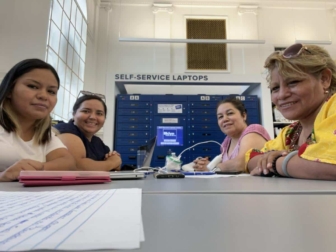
[321, 148]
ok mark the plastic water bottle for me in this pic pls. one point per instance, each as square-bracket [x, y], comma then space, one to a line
[175, 158]
[141, 155]
[173, 163]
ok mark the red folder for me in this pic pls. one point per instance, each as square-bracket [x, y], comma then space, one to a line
[52, 178]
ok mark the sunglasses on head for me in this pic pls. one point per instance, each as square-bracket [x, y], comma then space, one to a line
[294, 51]
[83, 92]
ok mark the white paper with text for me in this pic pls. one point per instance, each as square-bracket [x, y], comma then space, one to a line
[71, 220]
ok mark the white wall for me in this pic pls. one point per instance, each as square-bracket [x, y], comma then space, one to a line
[23, 31]
[97, 46]
[91, 48]
[279, 24]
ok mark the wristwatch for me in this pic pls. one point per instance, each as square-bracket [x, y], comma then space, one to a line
[274, 166]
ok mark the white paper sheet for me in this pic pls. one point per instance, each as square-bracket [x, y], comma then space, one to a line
[71, 220]
[218, 176]
[142, 232]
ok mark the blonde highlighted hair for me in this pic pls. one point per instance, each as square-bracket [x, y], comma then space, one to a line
[312, 61]
[8, 118]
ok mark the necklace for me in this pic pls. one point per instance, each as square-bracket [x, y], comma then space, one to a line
[293, 136]
[294, 145]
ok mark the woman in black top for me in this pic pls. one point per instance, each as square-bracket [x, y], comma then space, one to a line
[78, 135]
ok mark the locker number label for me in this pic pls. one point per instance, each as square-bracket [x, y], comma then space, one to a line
[242, 98]
[134, 97]
[169, 120]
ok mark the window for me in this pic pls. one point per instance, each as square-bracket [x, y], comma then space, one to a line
[66, 50]
[206, 56]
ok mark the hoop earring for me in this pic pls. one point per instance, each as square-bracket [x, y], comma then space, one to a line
[326, 91]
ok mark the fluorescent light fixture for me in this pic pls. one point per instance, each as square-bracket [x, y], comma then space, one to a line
[316, 42]
[194, 41]
[162, 5]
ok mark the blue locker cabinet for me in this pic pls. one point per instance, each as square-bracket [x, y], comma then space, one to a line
[178, 121]
[251, 103]
[132, 129]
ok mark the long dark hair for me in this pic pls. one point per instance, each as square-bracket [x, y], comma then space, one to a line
[7, 116]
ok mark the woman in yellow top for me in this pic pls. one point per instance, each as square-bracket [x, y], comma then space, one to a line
[302, 80]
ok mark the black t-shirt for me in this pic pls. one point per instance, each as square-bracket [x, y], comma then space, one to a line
[95, 149]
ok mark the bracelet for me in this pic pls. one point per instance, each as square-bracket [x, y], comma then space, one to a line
[274, 166]
[285, 162]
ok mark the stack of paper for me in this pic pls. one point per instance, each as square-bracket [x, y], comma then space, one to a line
[71, 220]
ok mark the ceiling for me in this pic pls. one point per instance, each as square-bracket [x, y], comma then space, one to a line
[222, 2]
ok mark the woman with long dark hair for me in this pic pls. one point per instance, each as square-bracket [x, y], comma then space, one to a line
[28, 93]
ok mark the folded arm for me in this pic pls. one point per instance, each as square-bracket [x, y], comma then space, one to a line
[305, 169]
[77, 149]
[237, 164]
[59, 160]
[297, 167]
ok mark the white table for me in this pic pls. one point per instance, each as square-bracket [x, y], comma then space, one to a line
[238, 223]
[232, 185]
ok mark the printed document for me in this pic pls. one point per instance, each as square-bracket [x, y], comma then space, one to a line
[71, 220]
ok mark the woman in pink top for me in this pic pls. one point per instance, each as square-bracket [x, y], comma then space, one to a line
[231, 116]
